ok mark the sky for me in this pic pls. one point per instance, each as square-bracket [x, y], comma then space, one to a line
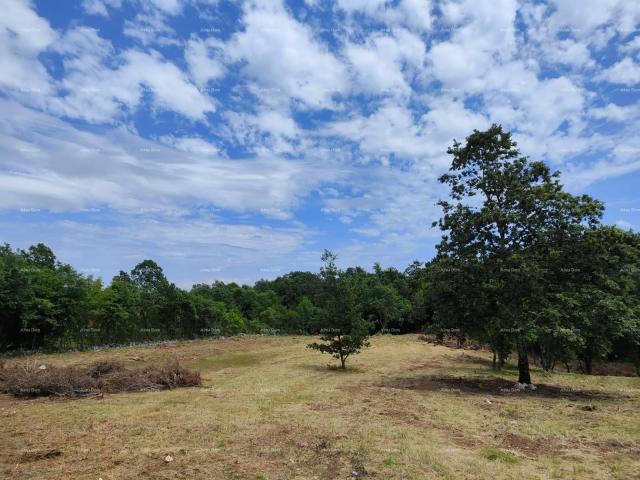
[236, 140]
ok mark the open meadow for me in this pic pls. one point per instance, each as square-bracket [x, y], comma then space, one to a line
[268, 408]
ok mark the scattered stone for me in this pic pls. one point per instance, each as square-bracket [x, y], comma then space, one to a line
[487, 401]
[168, 459]
[589, 408]
[42, 367]
[524, 386]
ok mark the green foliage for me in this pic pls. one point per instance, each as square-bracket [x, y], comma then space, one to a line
[524, 264]
[344, 332]
[494, 454]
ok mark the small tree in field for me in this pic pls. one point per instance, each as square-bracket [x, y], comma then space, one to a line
[344, 331]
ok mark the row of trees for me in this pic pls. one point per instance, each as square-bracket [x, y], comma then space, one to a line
[47, 304]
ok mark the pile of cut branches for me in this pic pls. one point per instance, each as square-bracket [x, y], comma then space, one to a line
[102, 377]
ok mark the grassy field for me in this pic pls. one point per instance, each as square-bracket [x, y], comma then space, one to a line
[271, 409]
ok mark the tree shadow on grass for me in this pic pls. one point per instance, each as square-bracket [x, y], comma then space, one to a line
[492, 386]
[479, 360]
[330, 368]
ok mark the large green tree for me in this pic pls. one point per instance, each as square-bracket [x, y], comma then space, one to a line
[505, 213]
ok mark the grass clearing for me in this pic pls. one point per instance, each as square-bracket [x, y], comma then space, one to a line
[270, 408]
[227, 360]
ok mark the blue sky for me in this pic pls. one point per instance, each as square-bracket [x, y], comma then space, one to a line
[236, 140]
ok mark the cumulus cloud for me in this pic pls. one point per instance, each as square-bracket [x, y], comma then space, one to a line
[616, 113]
[97, 92]
[203, 59]
[23, 36]
[625, 72]
[282, 57]
[100, 7]
[380, 63]
[413, 14]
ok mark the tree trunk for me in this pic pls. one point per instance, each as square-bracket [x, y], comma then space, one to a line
[493, 363]
[524, 376]
[588, 365]
[342, 357]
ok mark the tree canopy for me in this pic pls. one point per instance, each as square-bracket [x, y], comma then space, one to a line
[511, 235]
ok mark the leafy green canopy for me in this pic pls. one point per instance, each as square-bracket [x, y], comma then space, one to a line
[344, 332]
[506, 218]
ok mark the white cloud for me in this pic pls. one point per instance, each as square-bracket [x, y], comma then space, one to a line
[99, 7]
[283, 58]
[581, 18]
[269, 131]
[392, 129]
[626, 72]
[549, 104]
[568, 52]
[616, 113]
[151, 27]
[413, 14]
[96, 92]
[23, 36]
[379, 63]
[430, 72]
[191, 144]
[632, 46]
[170, 6]
[201, 59]
[49, 164]
[482, 36]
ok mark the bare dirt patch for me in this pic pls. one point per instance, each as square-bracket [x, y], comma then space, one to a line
[528, 444]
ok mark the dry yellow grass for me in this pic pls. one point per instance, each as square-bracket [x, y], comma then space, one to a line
[271, 409]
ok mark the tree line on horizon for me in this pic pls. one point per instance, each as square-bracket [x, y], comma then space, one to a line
[523, 267]
[46, 304]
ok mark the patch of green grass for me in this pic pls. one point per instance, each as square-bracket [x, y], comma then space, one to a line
[228, 360]
[390, 460]
[494, 454]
